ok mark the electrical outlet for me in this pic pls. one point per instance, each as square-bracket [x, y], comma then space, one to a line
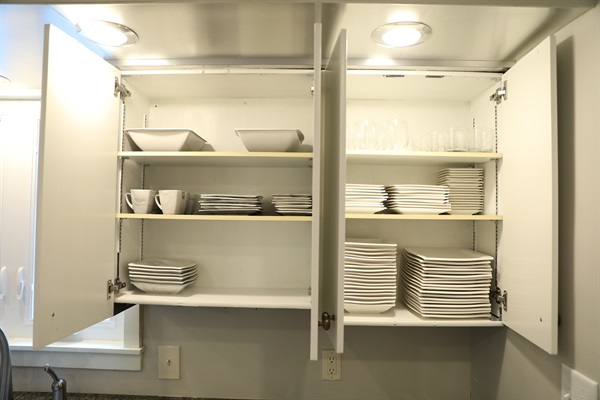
[168, 362]
[332, 365]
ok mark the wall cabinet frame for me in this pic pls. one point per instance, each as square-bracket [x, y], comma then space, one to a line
[86, 236]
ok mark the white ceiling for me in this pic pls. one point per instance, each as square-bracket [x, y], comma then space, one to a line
[468, 36]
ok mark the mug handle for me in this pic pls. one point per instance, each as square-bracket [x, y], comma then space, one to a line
[128, 200]
[157, 201]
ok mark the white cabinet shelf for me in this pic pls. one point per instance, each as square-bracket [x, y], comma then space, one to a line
[401, 316]
[270, 218]
[216, 159]
[419, 158]
[223, 297]
[395, 217]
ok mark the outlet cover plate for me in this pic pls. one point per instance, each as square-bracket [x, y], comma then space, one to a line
[332, 365]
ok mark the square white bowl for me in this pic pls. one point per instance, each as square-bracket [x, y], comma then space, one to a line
[166, 139]
[270, 140]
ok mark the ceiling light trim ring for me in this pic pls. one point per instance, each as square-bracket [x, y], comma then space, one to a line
[89, 29]
[385, 34]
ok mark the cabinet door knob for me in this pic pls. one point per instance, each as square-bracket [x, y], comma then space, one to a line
[326, 319]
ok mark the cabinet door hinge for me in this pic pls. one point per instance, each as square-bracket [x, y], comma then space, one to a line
[114, 287]
[500, 94]
[121, 89]
[501, 298]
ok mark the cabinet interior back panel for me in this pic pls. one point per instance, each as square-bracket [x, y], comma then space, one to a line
[236, 253]
[214, 85]
[216, 119]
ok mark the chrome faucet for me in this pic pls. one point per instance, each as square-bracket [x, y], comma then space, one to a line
[59, 386]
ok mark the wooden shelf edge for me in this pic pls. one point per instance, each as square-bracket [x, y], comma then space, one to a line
[426, 217]
[419, 157]
[181, 217]
[213, 154]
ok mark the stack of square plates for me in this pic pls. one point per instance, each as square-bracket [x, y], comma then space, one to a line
[162, 275]
[240, 204]
[365, 198]
[446, 282]
[370, 276]
[417, 199]
[466, 189]
[293, 204]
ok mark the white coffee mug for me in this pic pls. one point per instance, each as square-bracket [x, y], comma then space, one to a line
[170, 201]
[141, 201]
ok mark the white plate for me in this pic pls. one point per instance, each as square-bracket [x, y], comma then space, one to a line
[295, 212]
[162, 288]
[364, 210]
[152, 139]
[228, 212]
[163, 270]
[443, 254]
[370, 285]
[163, 263]
[229, 196]
[162, 277]
[358, 308]
[270, 140]
[418, 211]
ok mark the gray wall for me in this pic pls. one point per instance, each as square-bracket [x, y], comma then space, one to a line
[263, 354]
[505, 366]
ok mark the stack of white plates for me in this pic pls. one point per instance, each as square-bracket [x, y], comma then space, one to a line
[162, 275]
[370, 276]
[292, 204]
[417, 199]
[365, 198]
[466, 189]
[446, 282]
[239, 204]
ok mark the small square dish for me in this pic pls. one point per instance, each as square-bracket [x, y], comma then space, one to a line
[270, 140]
[166, 139]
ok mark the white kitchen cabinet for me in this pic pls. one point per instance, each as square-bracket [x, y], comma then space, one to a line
[86, 236]
[518, 226]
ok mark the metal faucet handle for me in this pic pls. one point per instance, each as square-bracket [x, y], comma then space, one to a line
[59, 386]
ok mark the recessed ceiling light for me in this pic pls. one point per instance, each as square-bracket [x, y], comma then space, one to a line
[4, 80]
[107, 33]
[401, 34]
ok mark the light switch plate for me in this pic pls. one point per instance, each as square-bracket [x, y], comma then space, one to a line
[168, 362]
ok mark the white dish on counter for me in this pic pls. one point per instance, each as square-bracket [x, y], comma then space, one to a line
[166, 139]
[270, 140]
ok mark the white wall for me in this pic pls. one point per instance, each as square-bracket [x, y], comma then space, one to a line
[505, 366]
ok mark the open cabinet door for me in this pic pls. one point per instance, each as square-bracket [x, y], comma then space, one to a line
[333, 186]
[77, 190]
[315, 308]
[528, 187]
